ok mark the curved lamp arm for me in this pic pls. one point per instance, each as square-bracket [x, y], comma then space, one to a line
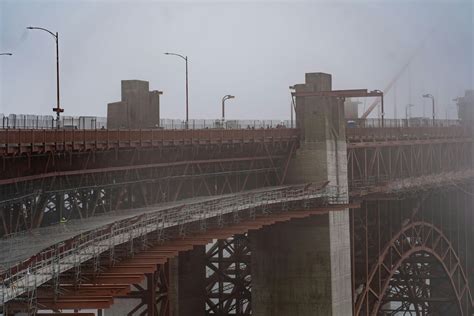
[43, 29]
[174, 54]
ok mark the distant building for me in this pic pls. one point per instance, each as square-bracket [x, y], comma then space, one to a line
[139, 107]
[351, 109]
[466, 107]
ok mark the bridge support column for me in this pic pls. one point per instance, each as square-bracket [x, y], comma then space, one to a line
[298, 268]
[303, 267]
[187, 290]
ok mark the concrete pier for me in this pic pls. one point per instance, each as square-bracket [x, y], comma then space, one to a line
[187, 290]
[291, 268]
[303, 267]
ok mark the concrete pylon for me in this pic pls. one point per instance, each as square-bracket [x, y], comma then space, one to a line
[303, 267]
[187, 287]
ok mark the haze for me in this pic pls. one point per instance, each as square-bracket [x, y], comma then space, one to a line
[253, 50]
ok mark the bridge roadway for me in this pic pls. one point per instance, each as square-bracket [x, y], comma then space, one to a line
[380, 161]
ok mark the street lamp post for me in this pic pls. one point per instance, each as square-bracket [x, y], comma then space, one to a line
[407, 107]
[57, 109]
[185, 58]
[433, 105]
[292, 105]
[226, 97]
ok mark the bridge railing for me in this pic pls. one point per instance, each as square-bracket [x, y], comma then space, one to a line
[63, 255]
[357, 134]
[404, 123]
[29, 121]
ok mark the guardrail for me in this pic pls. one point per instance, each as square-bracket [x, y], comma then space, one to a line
[29, 121]
[63, 255]
[357, 134]
[403, 123]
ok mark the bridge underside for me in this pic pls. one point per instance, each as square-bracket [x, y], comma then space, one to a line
[411, 252]
[50, 187]
[154, 272]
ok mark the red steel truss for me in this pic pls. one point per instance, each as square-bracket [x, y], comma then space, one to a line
[413, 254]
[154, 296]
[378, 156]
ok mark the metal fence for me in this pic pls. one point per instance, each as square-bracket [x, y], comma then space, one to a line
[27, 121]
[402, 123]
[228, 124]
[361, 134]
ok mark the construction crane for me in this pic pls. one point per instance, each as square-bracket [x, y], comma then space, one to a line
[397, 76]
[387, 89]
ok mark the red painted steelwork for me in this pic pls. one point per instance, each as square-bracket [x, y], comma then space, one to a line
[413, 254]
[16, 142]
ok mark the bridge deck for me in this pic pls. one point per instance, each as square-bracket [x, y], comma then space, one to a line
[21, 141]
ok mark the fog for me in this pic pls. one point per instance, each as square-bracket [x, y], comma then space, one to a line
[254, 50]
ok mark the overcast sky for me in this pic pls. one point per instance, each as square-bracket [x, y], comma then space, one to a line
[253, 49]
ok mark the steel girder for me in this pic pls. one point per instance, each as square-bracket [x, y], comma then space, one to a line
[413, 254]
[154, 296]
[228, 284]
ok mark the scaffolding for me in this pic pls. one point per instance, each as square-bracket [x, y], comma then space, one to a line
[75, 244]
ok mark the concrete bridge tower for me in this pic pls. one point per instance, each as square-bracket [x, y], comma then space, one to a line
[303, 267]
